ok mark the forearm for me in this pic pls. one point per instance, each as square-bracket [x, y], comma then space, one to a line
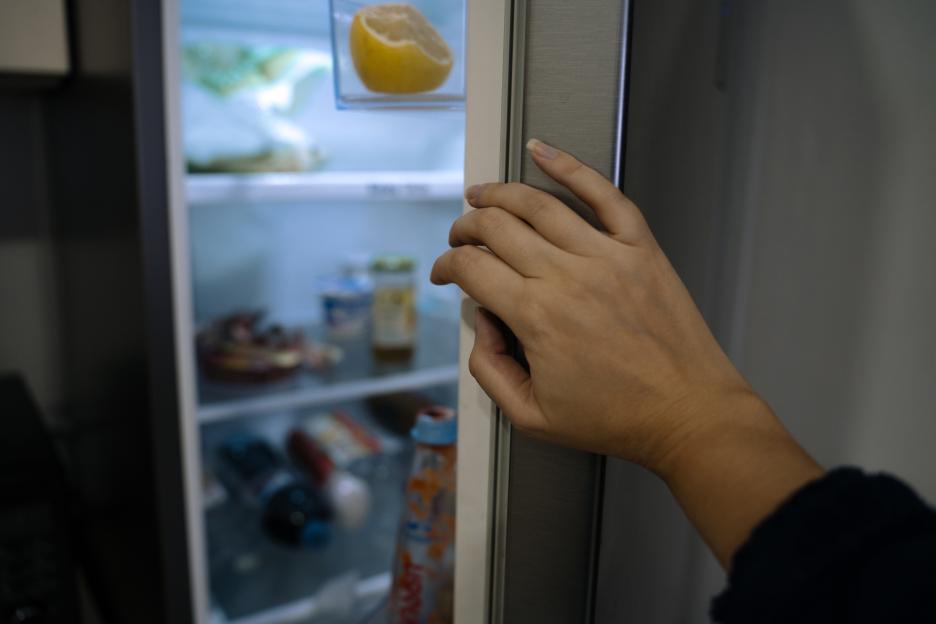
[731, 474]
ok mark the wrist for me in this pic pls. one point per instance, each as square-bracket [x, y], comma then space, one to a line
[716, 422]
[733, 468]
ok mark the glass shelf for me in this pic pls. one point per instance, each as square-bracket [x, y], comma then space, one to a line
[224, 188]
[257, 581]
[358, 375]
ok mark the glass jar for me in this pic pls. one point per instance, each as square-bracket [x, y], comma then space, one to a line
[393, 311]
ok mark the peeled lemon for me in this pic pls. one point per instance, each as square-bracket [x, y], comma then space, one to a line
[397, 50]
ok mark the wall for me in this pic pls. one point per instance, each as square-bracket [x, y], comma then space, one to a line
[29, 338]
[72, 308]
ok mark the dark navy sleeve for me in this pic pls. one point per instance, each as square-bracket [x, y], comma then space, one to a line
[849, 547]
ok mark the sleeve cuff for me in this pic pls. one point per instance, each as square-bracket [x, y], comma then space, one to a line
[808, 549]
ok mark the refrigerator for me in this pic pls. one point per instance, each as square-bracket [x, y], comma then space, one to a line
[672, 100]
[379, 173]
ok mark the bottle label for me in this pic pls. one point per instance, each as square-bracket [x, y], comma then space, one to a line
[394, 317]
[422, 590]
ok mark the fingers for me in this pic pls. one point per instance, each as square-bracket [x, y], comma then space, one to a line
[511, 239]
[619, 215]
[500, 375]
[552, 219]
[483, 276]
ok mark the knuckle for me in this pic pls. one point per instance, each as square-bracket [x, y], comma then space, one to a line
[457, 226]
[534, 317]
[490, 220]
[573, 167]
[462, 260]
[539, 205]
[611, 194]
[518, 193]
[621, 270]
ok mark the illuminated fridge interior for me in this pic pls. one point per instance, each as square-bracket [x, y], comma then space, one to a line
[298, 181]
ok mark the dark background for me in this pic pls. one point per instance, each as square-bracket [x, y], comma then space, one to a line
[82, 244]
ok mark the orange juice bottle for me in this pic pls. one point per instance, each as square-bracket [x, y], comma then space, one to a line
[422, 590]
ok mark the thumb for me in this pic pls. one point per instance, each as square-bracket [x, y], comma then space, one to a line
[500, 375]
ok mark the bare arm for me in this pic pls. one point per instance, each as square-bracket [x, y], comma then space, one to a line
[621, 361]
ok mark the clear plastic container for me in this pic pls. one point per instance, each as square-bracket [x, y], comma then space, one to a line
[398, 75]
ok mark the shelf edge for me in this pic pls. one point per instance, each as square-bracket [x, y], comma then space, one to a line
[218, 188]
[306, 607]
[311, 397]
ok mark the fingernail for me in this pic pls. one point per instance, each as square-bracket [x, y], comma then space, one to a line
[473, 191]
[541, 149]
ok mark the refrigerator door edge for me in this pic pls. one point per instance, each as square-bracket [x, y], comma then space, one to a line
[568, 81]
[488, 85]
[182, 312]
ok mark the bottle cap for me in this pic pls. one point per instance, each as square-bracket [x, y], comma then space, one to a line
[435, 426]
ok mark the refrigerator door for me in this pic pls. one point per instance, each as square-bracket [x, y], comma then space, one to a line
[556, 71]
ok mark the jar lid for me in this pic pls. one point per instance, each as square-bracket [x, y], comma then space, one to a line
[436, 426]
[393, 263]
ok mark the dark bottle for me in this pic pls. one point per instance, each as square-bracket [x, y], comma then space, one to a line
[294, 512]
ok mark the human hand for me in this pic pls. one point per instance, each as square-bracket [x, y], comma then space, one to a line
[621, 361]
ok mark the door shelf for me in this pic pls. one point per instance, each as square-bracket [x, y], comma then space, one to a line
[358, 375]
[229, 188]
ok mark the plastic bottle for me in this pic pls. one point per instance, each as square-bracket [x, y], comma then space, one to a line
[294, 512]
[422, 589]
[346, 298]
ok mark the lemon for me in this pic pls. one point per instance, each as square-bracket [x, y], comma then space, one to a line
[397, 50]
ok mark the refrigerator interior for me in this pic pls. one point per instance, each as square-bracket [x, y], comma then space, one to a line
[783, 154]
[373, 181]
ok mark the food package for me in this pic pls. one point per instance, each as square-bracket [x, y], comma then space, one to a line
[237, 102]
[241, 348]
